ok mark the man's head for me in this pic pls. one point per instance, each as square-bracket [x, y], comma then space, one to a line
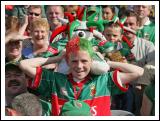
[53, 12]
[39, 31]
[34, 12]
[79, 57]
[27, 104]
[143, 10]
[15, 81]
[113, 32]
[108, 12]
[132, 22]
[14, 45]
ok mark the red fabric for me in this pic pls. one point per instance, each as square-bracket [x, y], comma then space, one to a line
[37, 78]
[115, 79]
[58, 31]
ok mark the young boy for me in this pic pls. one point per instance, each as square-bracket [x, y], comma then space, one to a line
[80, 84]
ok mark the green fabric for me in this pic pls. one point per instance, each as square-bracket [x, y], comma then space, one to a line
[75, 108]
[53, 83]
[107, 47]
[150, 93]
[147, 32]
[46, 106]
[59, 45]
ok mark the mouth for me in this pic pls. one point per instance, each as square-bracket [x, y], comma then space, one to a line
[13, 83]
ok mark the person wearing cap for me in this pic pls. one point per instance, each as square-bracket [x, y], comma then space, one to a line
[15, 84]
[80, 84]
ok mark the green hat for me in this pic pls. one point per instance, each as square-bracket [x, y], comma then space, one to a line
[12, 66]
[93, 8]
[107, 47]
[75, 108]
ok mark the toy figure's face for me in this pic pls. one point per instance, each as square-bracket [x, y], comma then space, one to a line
[113, 34]
[39, 34]
[80, 64]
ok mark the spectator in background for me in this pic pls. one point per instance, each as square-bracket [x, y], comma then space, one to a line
[146, 27]
[52, 13]
[108, 12]
[148, 101]
[13, 44]
[39, 32]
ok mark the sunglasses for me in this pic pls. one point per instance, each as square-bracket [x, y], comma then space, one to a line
[36, 14]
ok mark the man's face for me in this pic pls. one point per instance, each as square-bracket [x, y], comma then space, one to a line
[15, 82]
[53, 12]
[13, 49]
[131, 22]
[39, 35]
[142, 10]
[113, 34]
[80, 64]
[33, 14]
[107, 13]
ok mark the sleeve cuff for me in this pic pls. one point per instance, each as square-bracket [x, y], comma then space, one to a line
[116, 80]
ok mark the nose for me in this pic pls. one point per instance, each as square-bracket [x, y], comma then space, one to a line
[79, 65]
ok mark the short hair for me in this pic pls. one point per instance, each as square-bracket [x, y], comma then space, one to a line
[76, 44]
[48, 6]
[109, 6]
[27, 104]
[113, 25]
[131, 13]
[35, 6]
[41, 22]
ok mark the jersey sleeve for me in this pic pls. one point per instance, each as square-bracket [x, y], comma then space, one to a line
[117, 88]
[43, 81]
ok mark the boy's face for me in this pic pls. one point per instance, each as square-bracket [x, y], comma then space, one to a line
[80, 64]
[15, 82]
[113, 34]
[39, 34]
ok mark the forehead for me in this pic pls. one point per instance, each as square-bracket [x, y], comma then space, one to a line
[80, 54]
[35, 9]
[55, 8]
[113, 29]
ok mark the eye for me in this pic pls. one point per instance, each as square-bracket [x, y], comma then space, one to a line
[81, 34]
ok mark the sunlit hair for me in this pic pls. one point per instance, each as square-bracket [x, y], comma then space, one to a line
[35, 7]
[114, 26]
[40, 22]
[77, 44]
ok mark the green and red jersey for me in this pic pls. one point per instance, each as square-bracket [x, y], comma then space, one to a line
[95, 90]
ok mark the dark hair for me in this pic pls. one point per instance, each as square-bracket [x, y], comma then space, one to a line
[109, 6]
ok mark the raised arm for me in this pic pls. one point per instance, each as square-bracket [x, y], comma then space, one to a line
[129, 72]
[29, 65]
